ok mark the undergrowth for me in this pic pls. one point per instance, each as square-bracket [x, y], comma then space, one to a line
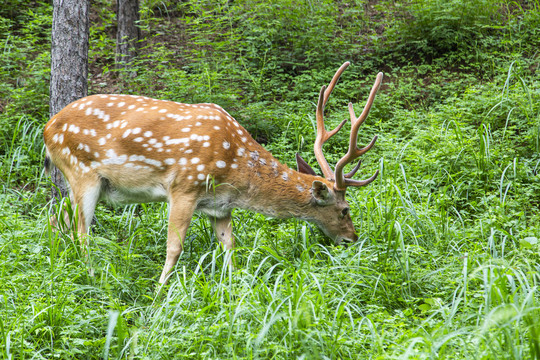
[447, 262]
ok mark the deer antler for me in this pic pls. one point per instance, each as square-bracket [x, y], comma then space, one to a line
[343, 181]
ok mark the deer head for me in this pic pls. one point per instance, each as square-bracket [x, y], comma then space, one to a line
[342, 227]
[132, 149]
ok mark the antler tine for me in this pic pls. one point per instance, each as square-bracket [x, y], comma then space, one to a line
[354, 152]
[351, 173]
[358, 121]
[322, 134]
[334, 81]
[351, 182]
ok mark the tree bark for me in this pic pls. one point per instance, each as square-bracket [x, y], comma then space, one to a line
[128, 33]
[69, 62]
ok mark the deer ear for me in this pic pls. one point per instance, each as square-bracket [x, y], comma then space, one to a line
[303, 166]
[320, 192]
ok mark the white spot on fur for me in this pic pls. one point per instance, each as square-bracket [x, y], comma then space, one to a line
[136, 158]
[221, 164]
[74, 129]
[156, 163]
[177, 141]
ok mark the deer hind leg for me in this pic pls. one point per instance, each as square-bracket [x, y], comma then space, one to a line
[224, 232]
[85, 195]
[181, 210]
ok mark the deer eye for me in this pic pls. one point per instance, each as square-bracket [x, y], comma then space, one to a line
[345, 212]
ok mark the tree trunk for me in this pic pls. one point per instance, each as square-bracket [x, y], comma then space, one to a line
[128, 33]
[69, 62]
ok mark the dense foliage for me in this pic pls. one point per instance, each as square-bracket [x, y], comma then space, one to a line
[447, 265]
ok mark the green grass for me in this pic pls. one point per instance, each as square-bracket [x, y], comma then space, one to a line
[447, 262]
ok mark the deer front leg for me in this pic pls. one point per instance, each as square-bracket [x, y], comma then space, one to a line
[223, 230]
[181, 211]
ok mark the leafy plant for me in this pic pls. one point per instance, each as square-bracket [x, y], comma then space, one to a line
[446, 265]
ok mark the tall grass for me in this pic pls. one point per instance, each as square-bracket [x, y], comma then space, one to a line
[446, 265]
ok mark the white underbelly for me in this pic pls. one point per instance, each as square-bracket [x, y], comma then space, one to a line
[124, 196]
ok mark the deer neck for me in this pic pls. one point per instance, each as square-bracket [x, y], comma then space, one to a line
[272, 188]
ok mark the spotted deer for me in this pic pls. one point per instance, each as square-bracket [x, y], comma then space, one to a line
[133, 149]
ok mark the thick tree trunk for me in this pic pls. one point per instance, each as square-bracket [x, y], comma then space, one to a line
[69, 62]
[128, 34]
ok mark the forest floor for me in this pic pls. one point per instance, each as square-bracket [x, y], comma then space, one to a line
[447, 262]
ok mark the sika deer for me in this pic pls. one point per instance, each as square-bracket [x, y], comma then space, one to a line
[132, 149]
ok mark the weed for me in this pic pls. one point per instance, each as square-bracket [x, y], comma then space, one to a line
[446, 265]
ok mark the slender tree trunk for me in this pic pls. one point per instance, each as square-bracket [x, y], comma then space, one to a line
[69, 62]
[128, 34]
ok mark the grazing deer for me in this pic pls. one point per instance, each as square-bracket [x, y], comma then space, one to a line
[133, 149]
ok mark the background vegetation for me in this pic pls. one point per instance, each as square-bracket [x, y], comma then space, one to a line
[447, 265]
